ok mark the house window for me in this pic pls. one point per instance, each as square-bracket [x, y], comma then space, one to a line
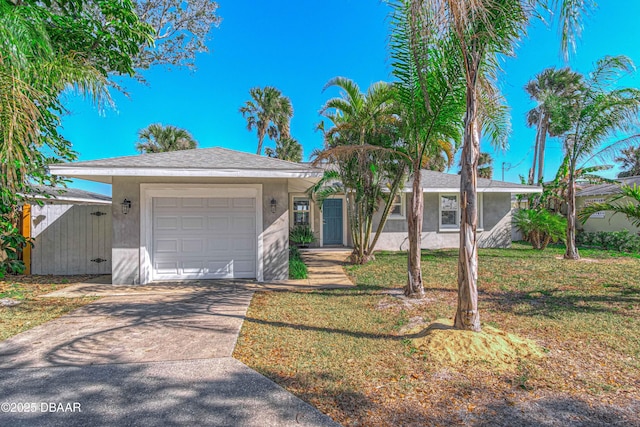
[301, 211]
[397, 207]
[449, 211]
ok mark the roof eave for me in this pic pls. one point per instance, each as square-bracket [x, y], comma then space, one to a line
[73, 171]
[512, 190]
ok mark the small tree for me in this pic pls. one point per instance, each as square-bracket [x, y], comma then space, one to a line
[363, 164]
[596, 117]
[540, 227]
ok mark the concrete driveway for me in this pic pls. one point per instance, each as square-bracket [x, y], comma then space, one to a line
[144, 359]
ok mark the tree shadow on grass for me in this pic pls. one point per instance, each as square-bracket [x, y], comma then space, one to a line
[556, 303]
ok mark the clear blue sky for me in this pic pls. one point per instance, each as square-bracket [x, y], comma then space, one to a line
[298, 46]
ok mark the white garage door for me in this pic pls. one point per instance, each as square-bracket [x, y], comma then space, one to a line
[204, 238]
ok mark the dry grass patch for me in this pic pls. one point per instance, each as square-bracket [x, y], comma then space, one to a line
[32, 310]
[351, 353]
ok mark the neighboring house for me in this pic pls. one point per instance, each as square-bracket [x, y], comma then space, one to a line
[605, 220]
[71, 232]
[218, 213]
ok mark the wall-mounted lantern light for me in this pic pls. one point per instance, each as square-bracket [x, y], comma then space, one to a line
[274, 205]
[126, 206]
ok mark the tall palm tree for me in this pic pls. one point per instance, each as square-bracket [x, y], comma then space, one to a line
[286, 149]
[596, 117]
[630, 159]
[269, 112]
[359, 144]
[157, 138]
[482, 30]
[551, 89]
[626, 203]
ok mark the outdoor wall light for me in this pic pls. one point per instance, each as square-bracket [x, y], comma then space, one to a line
[274, 205]
[126, 206]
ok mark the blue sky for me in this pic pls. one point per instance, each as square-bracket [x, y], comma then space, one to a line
[298, 46]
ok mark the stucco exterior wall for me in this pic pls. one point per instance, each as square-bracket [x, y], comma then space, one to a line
[496, 230]
[610, 222]
[126, 228]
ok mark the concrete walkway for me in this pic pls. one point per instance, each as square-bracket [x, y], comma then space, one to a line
[155, 356]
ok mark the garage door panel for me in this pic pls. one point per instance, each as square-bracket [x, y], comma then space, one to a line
[199, 238]
[192, 202]
[244, 244]
[192, 246]
[244, 203]
[193, 223]
[243, 224]
[166, 246]
[221, 245]
[166, 267]
[219, 223]
[218, 202]
[166, 202]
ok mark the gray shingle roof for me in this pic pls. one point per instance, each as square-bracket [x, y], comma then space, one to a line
[69, 194]
[437, 181]
[203, 158]
[607, 189]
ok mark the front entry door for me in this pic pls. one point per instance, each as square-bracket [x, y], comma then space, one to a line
[332, 222]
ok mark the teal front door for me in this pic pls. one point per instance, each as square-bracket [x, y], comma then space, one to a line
[332, 222]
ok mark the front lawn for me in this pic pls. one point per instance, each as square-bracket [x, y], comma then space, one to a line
[32, 309]
[348, 352]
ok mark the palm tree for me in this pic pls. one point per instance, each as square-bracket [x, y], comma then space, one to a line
[630, 160]
[286, 149]
[269, 112]
[359, 145]
[482, 30]
[550, 89]
[618, 205]
[431, 99]
[157, 138]
[485, 166]
[596, 117]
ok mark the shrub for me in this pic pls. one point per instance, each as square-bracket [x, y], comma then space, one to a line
[540, 227]
[622, 241]
[302, 235]
[297, 269]
[294, 252]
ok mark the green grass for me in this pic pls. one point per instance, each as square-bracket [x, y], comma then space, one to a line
[344, 350]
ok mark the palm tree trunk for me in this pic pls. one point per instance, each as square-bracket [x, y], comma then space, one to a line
[387, 209]
[467, 315]
[415, 288]
[532, 171]
[572, 250]
[542, 142]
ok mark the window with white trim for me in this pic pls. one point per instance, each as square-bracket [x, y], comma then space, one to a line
[398, 207]
[449, 211]
[301, 211]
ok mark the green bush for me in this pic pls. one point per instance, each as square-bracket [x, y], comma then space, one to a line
[301, 235]
[540, 227]
[294, 252]
[297, 269]
[622, 241]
